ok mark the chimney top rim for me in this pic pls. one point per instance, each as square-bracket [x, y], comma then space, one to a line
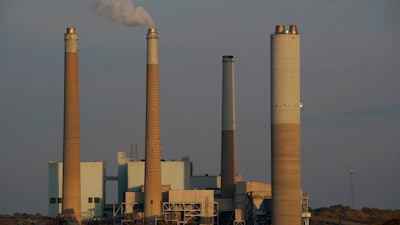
[71, 30]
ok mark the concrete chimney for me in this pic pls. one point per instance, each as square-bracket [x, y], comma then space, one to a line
[285, 126]
[152, 185]
[71, 197]
[228, 140]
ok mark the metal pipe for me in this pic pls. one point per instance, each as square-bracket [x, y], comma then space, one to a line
[293, 29]
[279, 29]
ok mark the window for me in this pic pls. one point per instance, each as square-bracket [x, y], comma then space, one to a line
[90, 200]
[96, 200]
[59, 200]
[52, 200]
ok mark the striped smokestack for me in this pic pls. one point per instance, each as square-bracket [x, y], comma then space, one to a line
[152, 185]
[71, 148]
[228, 142]
[285, 126]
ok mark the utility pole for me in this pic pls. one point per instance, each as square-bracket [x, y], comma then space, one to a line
[351, 186]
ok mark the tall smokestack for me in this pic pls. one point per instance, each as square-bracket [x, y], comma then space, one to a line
[285, 126]
[71, 154]
[152, 185]
[228, 142]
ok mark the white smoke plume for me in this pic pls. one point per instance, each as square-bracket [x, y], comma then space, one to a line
[123, 11]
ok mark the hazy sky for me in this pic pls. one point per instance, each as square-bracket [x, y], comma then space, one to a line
[350, 79]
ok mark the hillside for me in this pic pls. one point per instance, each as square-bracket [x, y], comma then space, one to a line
[365, 215]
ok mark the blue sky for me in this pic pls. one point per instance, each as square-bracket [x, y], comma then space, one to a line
[349, 87]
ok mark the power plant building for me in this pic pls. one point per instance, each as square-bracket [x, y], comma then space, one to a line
[93, 178]
[201, 197]
[174, 174]
[153, 189]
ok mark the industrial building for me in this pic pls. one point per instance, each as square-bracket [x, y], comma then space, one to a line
[155, 191]
[186, 197]
[93, 183]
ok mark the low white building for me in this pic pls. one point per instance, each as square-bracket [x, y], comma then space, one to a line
[92, 188]
[175, 175]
